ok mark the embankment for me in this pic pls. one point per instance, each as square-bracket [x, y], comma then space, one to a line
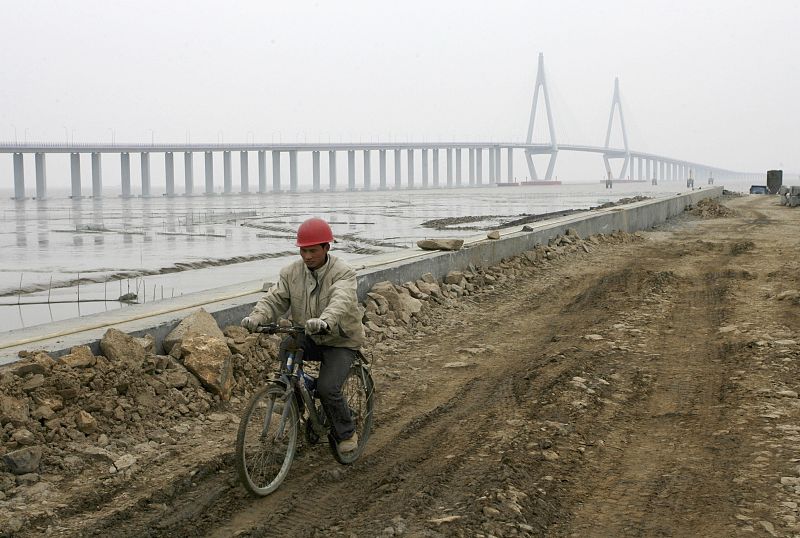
[231, 303]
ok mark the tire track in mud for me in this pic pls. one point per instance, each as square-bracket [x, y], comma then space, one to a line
[668, 478]
[409, 457]
[404, 469]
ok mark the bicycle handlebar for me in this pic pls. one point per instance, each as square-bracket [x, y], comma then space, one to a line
[275, 328]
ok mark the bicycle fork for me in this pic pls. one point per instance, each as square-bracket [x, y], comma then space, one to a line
[281, 431]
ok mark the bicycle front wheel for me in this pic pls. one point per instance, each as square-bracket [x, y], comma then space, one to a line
[267, 439]
[358, 390]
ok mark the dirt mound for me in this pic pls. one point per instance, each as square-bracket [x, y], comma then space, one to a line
[623, 201]
[708, 208]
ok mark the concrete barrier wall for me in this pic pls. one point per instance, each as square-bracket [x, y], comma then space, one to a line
[230, 304]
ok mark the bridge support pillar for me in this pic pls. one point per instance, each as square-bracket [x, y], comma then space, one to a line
[492, 156]
[382, 168]
[436, 167]
[479, 166]
[293, 171]
[227, 173]
[262, 171]
[97, 175]
[19, 176]
[188, 173]
[471, 166]
[398, 166]
[510, 164]
[332, 171]
[145, 159]
[209, 172]
[641, 169]
[169, 172]
[244, 172]
[41, 176]
[276, 171]
[410, 168]
[449, 167]
[367, 170]
[75, 174]
[649, 175]
[315, 171]
[424, 168]
[351, 170]
[458, 167]
[497, 164]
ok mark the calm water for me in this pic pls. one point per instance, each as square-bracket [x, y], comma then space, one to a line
[163, 247]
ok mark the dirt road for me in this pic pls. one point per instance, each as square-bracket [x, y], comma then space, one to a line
[647, 387]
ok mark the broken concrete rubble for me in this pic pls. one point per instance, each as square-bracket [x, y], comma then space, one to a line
[198, 322]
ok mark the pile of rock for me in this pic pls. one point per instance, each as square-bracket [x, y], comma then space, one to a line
[391, 311]
[709, 208]
[52, 411]
[789, 195]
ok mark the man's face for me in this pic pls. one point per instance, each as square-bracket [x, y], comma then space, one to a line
[314, 256]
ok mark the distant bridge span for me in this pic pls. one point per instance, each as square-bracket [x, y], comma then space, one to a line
[636, 165]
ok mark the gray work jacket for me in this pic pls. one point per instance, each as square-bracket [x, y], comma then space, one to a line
[329, 293]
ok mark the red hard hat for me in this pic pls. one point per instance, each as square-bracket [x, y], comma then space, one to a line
[314, 231]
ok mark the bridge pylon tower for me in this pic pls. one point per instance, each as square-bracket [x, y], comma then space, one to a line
[541, 83]
[616, 104]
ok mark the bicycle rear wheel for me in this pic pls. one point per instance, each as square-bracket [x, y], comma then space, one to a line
[358, 391]
[267, 439]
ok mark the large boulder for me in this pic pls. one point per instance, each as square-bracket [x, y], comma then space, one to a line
[198, 322]
[455, 277]
[38, 362]
[440, 244]
[23, 461]
[118, 346]
[210, 360]
[430, 288]
[79, 357]
[86, 423]
[13, 411]
[398, 302]
[381, 303]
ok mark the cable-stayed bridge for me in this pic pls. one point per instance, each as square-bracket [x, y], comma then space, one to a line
[457, 156]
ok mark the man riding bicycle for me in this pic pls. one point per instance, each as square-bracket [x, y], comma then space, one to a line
[320, 291]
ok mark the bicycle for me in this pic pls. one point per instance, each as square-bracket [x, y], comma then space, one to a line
[270, 424]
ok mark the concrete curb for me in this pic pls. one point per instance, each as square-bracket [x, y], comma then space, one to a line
[230, 304]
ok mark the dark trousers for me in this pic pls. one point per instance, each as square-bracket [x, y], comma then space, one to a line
[333, 370]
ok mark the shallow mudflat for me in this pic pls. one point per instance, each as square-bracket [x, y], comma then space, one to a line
[58, 250]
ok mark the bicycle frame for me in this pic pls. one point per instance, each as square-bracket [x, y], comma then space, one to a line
[291, 378]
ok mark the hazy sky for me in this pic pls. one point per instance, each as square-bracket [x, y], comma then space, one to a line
[710, 81]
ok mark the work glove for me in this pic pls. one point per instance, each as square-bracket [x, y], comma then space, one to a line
[315, 326]
[250, 323]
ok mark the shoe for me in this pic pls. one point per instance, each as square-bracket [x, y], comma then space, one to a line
[348, 445]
